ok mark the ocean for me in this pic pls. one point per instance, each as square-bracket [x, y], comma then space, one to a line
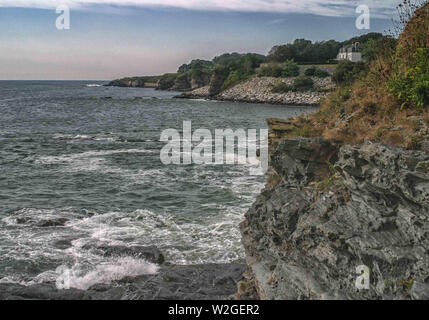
[80, 167]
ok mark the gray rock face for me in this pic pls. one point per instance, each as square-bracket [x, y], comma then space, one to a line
[335, 209]
[135, 82]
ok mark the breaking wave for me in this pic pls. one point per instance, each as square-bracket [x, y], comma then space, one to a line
[105, 273]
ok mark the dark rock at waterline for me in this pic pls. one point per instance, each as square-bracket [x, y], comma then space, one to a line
[150, 253]
[53, 222]
[42, 291]
[23, 220]
[57, 222]
[64, 243]
[193, 282]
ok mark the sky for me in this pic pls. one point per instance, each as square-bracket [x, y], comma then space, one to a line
[110, 39]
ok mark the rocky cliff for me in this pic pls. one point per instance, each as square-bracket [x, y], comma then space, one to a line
[169, 81]
[327, 209]
[135, 82]
[127, 82]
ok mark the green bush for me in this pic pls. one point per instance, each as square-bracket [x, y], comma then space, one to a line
[242, 69]
[376, 47]
[320, 73]
[316, 72]
[233, 78]
[347, 71]
[290, 69]
[412, 87]
[302, 83]
[280, 87]
[270, 70]
[310, 71]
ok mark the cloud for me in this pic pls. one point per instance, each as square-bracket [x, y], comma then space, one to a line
[319, 7]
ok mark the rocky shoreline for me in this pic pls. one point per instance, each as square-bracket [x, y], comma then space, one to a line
[171, 282]
[254, 90]
[194, 282]
[259, 90]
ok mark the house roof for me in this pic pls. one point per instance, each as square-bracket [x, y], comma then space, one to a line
[354, 47]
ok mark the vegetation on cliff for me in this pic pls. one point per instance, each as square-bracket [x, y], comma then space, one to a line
[135, 81]
[306, 52]
[230, 69]
[387, 100]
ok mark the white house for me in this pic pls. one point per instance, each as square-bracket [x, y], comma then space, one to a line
[350, 52]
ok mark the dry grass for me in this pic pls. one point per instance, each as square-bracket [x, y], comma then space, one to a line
[366, 110]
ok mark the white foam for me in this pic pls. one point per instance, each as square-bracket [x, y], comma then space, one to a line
[79, 137]
[107, 272]
[204, 240]
[88, 161]
[144, 176]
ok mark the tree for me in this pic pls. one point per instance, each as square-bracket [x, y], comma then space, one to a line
[376, 47]
[281, 53]
[290, 69]
[227, 58]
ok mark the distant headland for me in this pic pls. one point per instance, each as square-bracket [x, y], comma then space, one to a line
[298, 73]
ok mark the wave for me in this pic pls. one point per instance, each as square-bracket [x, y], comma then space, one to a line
[88, 161]
[214, 239]
[105, 273]
[93, 85]
[85, 137]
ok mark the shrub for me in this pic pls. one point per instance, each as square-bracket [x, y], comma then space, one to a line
[412, 87]
[270, 70]
[316, 72]
[290, 69]
[348, 71]
[233, 78]
[280, 87]
[373, 48]
[242, 69]
[310, 71]
[302, 83]
[320, 73]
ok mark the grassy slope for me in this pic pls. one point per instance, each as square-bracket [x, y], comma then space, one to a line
[367, 110]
